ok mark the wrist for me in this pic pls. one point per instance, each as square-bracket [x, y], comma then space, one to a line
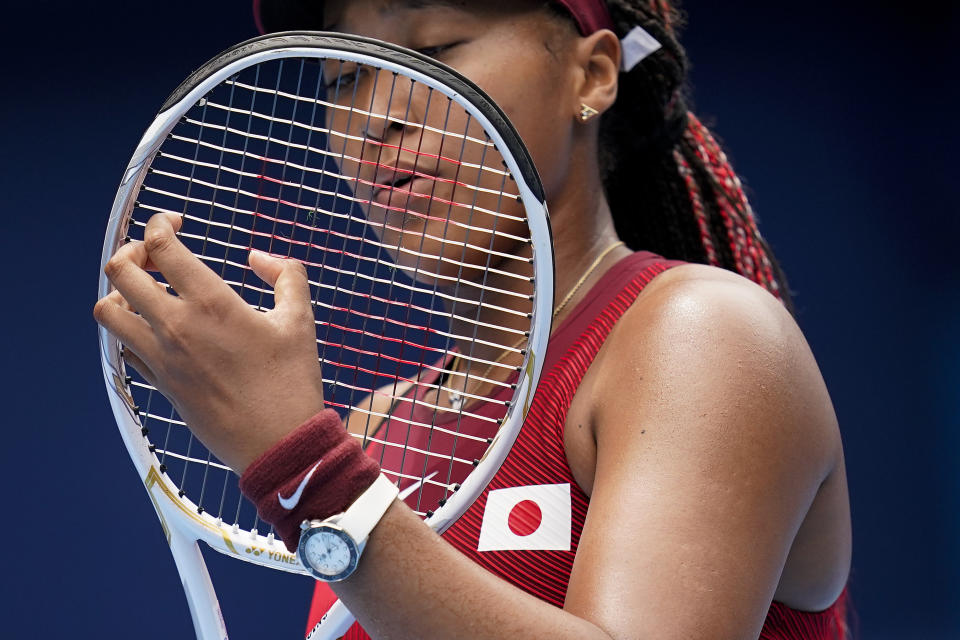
[316, 471]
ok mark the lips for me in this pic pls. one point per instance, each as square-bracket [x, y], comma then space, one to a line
[403, 186]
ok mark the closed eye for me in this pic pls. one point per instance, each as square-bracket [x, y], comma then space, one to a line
[433, 52]
[345, 78]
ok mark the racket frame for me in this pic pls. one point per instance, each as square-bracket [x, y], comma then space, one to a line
[182, 521]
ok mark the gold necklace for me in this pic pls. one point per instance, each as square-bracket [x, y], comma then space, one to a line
[457, 400]
[583, 278]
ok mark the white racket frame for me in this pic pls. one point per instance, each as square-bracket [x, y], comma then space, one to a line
[183, 524]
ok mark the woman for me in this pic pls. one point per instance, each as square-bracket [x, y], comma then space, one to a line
[699, 444]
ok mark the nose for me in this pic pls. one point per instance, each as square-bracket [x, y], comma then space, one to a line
[395, 108]
[379, 129]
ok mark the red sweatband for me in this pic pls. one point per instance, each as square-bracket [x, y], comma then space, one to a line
[590, 15]
[315, 472]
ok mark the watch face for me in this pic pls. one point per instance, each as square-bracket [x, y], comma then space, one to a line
[328, 552]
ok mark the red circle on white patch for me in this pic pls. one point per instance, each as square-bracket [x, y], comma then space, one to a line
[525, 518]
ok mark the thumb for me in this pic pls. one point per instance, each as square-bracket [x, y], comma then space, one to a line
[287, 276]
[266, 267]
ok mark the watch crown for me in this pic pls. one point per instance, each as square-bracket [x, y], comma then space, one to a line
[304, 525]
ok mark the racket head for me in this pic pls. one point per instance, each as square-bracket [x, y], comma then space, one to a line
[298, 168]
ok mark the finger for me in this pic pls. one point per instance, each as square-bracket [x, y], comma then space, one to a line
[131, 358]
[136, 287]
[132, 330]
[183, 270]
[116, 297]
[288, 277]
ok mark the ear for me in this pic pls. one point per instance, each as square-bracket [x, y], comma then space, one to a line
[598, 58]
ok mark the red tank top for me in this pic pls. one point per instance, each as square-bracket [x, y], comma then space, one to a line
[529, 534]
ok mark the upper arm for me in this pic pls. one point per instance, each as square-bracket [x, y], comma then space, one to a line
[713, 432]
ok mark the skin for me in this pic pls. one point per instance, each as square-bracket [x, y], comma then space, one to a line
[703, 431]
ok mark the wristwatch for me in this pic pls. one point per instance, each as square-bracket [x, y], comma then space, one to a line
[330, 549]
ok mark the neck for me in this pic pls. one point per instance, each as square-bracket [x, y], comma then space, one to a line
[583, 229]
[584, 248]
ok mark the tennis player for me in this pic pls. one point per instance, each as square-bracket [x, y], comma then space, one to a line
[682, 474]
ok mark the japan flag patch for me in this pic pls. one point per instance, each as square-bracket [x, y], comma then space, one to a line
[535, 518]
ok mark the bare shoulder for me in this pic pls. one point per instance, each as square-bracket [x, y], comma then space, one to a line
[703, 336]
[711, 307]
[692, 293]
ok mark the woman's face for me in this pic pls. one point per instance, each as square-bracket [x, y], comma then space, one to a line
[393, 140]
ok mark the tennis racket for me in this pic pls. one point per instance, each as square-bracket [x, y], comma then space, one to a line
[421, 220]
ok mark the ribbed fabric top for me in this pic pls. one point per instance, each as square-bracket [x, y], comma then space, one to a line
[531, 531]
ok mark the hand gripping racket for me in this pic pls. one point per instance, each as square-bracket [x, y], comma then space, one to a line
[421, 220]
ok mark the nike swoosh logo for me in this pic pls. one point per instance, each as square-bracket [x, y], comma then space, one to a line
[290, 503]
[406, 493]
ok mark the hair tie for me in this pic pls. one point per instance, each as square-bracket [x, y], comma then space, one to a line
[637, 45]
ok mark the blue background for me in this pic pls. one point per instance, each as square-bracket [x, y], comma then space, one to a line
[836, 114]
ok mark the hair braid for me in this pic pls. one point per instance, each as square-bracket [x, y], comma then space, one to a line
[696, 200]
[690, 204]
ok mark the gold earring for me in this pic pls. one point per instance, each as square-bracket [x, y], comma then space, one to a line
[587, 112]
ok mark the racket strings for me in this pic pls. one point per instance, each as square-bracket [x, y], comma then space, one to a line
[321, 192]
[369, 438]
[451, 261]
[469, 356]
[186, 458]
[403, 279]
[353, 110]
[349, 138]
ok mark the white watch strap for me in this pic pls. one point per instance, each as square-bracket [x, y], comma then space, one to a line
[363, 515]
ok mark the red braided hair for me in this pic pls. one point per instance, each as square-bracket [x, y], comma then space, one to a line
[749, 252]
